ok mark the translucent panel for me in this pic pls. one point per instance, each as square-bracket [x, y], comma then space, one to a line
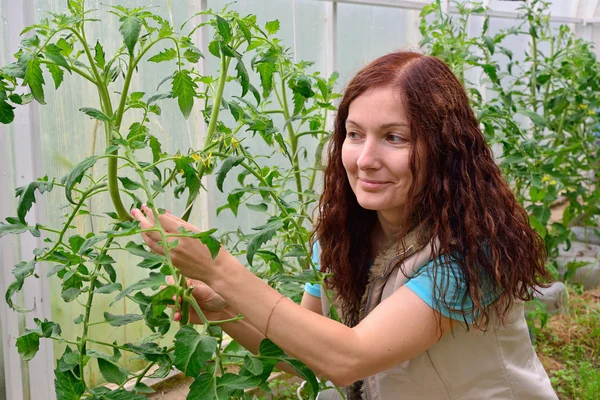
[367, 32]
[309, 40]
[561, 8]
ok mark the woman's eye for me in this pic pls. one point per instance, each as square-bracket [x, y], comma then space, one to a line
[353, 135]
[395, 139]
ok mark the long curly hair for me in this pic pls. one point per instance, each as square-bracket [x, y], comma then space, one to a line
[465, 201]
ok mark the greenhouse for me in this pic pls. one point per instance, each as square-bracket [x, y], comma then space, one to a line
[300, 199]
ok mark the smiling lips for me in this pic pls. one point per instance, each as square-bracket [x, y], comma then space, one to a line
[371, 184]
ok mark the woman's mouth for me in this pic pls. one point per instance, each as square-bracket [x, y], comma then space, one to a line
[372, 184]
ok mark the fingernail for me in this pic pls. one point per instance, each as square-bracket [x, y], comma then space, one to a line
[144, 205]
[168, 212]
[133, 211]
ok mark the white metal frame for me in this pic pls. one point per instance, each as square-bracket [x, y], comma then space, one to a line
[34, 380]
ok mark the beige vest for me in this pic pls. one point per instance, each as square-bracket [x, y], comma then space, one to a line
[499, 364]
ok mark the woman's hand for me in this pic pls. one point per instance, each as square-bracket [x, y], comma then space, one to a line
[190, 256]
[212, 305]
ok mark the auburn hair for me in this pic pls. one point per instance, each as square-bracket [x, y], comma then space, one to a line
[465, 202]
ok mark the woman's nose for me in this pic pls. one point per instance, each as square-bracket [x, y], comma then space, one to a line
[369, 157]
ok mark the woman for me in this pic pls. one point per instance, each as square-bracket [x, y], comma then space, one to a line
[431, 254]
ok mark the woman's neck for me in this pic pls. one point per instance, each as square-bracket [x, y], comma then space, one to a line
[385, 229]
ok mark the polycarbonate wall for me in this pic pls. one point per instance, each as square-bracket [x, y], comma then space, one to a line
[340, 36]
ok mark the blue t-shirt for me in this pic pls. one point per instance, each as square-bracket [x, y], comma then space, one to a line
[422, 284]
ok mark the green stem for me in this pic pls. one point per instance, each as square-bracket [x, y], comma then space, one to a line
[214, 116]
[533, 88]
[293, 139]
[88, 307]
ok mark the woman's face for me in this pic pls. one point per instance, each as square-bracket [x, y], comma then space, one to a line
[376, 151]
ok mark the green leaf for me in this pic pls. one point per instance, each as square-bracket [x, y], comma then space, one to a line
[57, 74]
[227, 165]
[107, 289]
[122, 394]
[70, 294]
[89, 242]
[119, 320]
[302, 84]
[7, 115]
[26, 196]
[76, 175]
[53, 53]
[260, 207]
[154, 280]
[266, 233]
[223, 28]
[165, 55]
[193, 55]
[272, 26]
[214, 48]
[112, 372]
[269, 349]
[192, 350]
[489, 43]
[28, 345]
[130, 29]
[536, 118]
[99, 55]
[242, 75]
[184, 89]
[233, 381]
[245, 31]
[307, 374]
[76, 241]
[15, 227]
[35, 78]
[202, 388]
[95, 113]
[253, 365]
[266, 70]
[67, 386]
[129, 184]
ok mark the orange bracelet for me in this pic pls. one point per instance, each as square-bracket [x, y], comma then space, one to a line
[270, 314]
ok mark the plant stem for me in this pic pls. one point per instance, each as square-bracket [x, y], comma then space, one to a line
[293, 139]
[210, 131]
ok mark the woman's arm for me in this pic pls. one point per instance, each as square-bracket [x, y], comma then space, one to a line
[398, 329]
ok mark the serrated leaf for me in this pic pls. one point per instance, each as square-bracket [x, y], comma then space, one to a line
[26, 196]
[242, 75]
[269, 349]
[266, 70]
[266, 233]
[54, 54]
[57, 74]
[193, 55]
[272, 26]
[165, 55]
[99, 55]
[223, 28]
[111, 372]
[122, 394]
[16, 228]
[67, 386]
[233, 381]
[202, 388]
[107, 289]
[154, 280]
[184, 89]
[76, 175]
[28, 345]
[159, 96]
[7, 114]
[227, 165]
[119, 320]
[253, 365]
[95, 113]
[34, 78]
[130, 29]
[128, 183]
[245, 31]
[192, 350]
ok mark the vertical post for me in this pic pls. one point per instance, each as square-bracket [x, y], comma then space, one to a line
[36, 375]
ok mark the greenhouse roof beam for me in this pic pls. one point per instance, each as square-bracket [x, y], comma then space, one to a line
[417, 5]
